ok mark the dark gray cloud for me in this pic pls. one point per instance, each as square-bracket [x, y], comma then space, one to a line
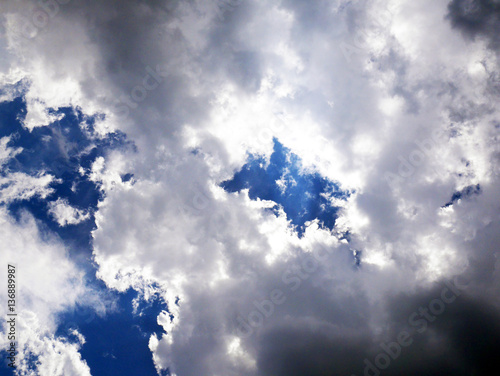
[463, 338]
[461, 341]
[477, 18]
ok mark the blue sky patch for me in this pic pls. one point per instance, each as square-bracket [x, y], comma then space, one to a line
[60, 149]
[303, 195]
[118, 342]
[464, 193]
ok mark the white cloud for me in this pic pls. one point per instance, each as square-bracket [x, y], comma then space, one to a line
[355, 142]
[56, 356]
[21, 186]
[47, 283]
[18, 185]
[65, 214]
[38, 115]
[6, 152]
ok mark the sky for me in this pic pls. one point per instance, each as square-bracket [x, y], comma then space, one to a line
[250, 187]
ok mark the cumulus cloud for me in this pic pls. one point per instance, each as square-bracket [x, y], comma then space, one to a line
[55, 356]
[47, 282]
[385, 97]
[48, 279]
[18, 185]
[6, 153]
[65, 214]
